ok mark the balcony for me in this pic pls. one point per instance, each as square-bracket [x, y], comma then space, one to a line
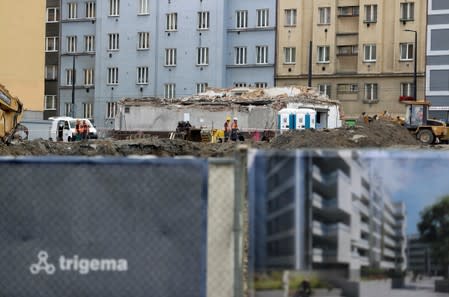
[320, 255]
[363, 243]
[386, 265]
[364, 227]
[363, 208]
[330, 230]
[389, 253]
[321, 203]
[364, 261]
[388, 241]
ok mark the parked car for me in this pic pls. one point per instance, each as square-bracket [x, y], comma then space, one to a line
[62, 129]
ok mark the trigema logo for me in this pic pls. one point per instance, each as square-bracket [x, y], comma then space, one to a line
[77, 264]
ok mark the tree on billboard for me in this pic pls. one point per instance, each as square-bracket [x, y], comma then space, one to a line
[434, 228]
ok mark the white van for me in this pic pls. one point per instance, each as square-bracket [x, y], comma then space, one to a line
[62, 129]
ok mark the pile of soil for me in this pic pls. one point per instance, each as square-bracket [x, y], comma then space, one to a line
[377, 134]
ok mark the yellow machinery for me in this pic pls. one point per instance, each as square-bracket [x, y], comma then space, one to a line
[426, 130]
[10, 115]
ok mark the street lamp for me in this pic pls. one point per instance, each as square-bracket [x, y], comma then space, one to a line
[415, 58]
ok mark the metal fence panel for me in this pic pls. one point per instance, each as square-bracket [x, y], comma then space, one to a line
[103, 227]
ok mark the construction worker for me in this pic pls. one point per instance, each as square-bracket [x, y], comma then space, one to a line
[84, 130]
[234, 130]
[227, 128]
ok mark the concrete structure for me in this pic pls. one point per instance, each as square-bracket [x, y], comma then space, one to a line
[22, 53]
[256, 109]
[437, 68]
[53, 17]
[360, 52]
[419, 257]
[325, 212]
[171, 49]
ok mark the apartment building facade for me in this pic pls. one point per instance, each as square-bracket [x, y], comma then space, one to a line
[51, 88]
[146, 48]
[22, 56]
[324, 212]
[419, 257]
[361, 53]
[437, 68]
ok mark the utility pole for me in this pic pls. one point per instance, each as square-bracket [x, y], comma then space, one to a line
[309, 75]
[73, 87]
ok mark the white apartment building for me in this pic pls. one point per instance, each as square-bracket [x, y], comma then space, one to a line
[325, 211]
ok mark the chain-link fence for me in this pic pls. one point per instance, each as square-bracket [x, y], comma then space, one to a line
[120, 227]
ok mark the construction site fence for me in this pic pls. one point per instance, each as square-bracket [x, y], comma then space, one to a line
[76, 226]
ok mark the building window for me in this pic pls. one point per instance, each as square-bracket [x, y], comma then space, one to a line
[371, 13]
[170, 57]
[406, 50]
[323, 54]
[240, 55]
[90, 10]
[113, 42]
[50, 102]
[71, 44]
[69, 77]
[68, 109]
[369, 53]
[87, 110]
[201, 87]
[347, 50]
[142, 75]
[262, 18]
[88, 77]
[370, 92]
[203, 20]
[347, 88]
[72, 10]
[325, 15]
[144, 41]
[289, 55]
[290, 17]
[325, 89]
[51, 44]
[262, 54]
[241, 17]
[348, 11]
[52, 14]
[202, 56]
[51, 72]
[89, 43]
[240, 85]
[114, 7]
[172, 22]
[407, 89]
[143, 7]
[111, 110]
[113, 76]
[407, 11]
[261, 85]
[169, 91]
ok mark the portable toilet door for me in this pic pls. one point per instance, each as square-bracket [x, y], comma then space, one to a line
[307, 120]
[292, 121]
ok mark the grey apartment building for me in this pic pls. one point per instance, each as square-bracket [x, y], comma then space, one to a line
[149, 48]
[323, 212]
[437, 68]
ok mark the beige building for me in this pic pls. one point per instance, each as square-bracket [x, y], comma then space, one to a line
[361, 54]
[22, 27]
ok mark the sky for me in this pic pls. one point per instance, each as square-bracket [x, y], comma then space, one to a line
[418, 178]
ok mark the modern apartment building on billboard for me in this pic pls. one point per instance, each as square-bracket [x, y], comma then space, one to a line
[323, 211]
[150, 48]
[362, 53]
[437, 68]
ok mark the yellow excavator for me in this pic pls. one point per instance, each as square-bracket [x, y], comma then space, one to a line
[11, 111]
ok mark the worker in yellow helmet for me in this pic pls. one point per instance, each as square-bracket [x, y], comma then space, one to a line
[227, 128]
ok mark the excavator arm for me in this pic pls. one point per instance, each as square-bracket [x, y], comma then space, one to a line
[11, 111]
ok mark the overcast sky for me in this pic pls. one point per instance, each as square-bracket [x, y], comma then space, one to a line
[419, 178]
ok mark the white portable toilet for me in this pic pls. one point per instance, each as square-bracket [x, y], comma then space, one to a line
[287, 119]
[305, 118]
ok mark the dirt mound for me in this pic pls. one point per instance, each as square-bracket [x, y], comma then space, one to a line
[376, 134]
